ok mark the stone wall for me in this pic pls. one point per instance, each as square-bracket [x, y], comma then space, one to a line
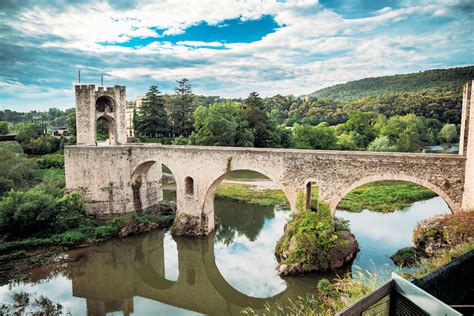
[466, 147]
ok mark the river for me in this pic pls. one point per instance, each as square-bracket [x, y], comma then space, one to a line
[156, 274]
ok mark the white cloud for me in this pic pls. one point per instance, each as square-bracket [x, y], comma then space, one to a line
[313, 48]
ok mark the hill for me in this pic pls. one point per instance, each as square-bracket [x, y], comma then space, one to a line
[438, 81]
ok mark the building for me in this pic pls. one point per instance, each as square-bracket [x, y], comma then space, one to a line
[58, 131]
[131, 107]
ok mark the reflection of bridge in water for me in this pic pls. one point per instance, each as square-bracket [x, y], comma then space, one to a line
[110, 275]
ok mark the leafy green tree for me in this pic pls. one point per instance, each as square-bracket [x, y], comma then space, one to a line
[348, 141]
[152, 119]
[181, 109]
[70, 123]
[449, 133]
[362, 123]
[381, 143]
[314, 137]
[221, 124]
[27, 132]
[4, 128]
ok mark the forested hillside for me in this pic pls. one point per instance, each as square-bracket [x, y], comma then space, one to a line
[438, 81]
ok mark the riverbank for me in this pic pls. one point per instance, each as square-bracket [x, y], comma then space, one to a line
[19, 256]
[437, 237]
[386, 196]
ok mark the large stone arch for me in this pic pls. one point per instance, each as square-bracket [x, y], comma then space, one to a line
[208, 200]
[146, 183]
[334, 202]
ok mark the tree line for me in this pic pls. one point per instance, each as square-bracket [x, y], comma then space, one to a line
[290, 122]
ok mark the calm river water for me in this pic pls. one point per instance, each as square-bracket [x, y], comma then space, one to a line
[156, 274]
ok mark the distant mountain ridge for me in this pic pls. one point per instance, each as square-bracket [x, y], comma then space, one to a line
[436, 80]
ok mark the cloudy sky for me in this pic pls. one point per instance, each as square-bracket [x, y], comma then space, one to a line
[225, 47]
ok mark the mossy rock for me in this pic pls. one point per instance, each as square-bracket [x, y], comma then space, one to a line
[405, 257]
[309, 243]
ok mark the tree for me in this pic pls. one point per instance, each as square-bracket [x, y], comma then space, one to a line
[347, 141]
[152, 119]
[448, 133]
[71, 125]
[221, 124]
[182, 108]
[314, 137]
[381, 143]
[4, 128]
[362, 123]
[264, 129]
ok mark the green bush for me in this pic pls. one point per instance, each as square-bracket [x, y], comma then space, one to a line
[41, 211]
[70, 238]
[51, 161]
[12, 146]
[4, 128]
[41, 145]
[105, 232]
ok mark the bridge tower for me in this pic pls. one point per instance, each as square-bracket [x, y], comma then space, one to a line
[466, 145]
[108, 104]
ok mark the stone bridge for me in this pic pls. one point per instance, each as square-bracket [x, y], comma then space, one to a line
[118, 177]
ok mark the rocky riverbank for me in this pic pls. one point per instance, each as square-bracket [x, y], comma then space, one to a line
[436, 236]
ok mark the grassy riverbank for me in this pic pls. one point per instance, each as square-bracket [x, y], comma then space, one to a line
[250, 194]
[386, 196]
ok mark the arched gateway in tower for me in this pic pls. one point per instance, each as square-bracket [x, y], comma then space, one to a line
[115, 177]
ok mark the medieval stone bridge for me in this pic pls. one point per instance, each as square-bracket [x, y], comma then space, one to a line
[121, 177]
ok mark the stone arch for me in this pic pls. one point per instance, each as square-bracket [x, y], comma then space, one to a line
[111, 126]
[208, 202]
[146, 184]
[105, 104]
[387, 177]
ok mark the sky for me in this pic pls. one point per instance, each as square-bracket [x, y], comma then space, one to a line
[225, 47]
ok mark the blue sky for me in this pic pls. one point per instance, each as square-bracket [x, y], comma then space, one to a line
[227, 48]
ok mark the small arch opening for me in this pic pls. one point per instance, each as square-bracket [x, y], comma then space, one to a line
[189, 186]
[105, 130]
[312, 194]
[104, 104]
